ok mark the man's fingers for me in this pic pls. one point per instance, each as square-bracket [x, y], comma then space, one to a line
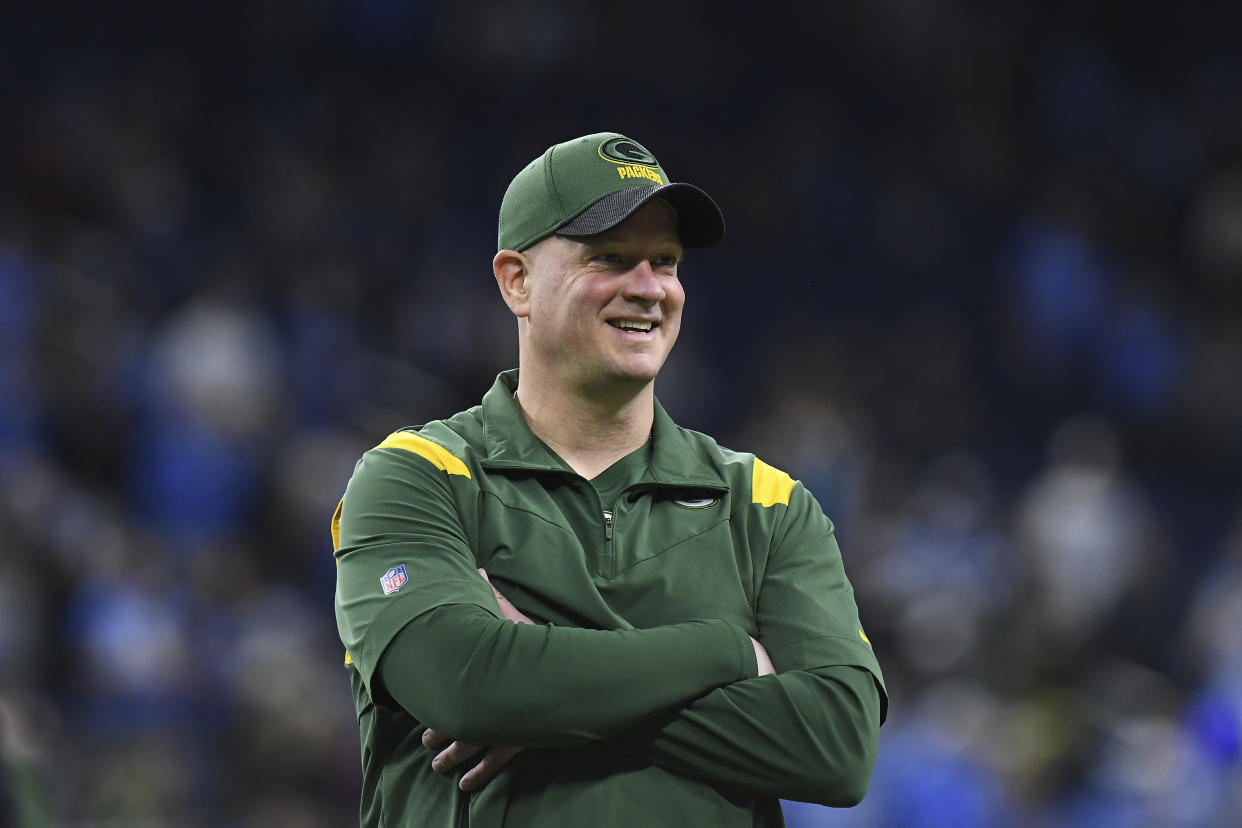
[495, 591]
[507, 610]
[432, 738]
[458, 752]
[762, 659]
[499, 598]
[490, 765]
[452, 756]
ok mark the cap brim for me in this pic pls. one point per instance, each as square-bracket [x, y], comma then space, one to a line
[700, 223]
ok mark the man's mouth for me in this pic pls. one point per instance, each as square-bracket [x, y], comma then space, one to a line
[633, 325]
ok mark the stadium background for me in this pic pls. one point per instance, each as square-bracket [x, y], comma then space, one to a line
[981, 291]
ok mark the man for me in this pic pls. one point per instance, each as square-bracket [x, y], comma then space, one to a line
[687, 651]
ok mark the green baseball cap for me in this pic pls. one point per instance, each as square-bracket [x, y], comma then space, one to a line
[593, 183]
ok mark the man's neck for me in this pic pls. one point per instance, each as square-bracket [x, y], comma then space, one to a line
[588, 431]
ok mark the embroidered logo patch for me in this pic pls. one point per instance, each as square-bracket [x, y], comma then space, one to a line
[394, 579]
[624, 151]
[700, 503]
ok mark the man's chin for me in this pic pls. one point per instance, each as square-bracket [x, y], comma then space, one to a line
[636, 377]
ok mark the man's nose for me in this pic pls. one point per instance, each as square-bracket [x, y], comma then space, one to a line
[643, 284]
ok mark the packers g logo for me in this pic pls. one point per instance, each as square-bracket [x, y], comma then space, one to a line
[625, 151]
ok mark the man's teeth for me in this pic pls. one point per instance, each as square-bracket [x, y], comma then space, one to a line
[627, 325]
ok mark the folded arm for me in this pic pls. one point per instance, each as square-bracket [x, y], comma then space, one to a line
[811, 731]
[807, 735]
[674, 695]
[433, 638]
[480, 679]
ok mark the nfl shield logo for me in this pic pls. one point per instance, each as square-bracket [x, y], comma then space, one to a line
[393, 579]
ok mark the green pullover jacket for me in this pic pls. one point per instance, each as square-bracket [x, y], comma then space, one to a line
[635, 693]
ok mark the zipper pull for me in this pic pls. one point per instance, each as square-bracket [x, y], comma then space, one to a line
[607, 525]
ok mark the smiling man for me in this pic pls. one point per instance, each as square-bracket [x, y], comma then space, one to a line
[560, 608]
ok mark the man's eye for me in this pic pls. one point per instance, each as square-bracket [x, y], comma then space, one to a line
[610, 258]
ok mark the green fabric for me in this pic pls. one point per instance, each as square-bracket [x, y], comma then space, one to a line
[832, 717]
[613, 480]
[568, 178]
[538, 686]
[630, 689]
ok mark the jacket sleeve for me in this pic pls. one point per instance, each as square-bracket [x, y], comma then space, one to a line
[421, 625]
[810, 732]
[809, 735]
[488, 681]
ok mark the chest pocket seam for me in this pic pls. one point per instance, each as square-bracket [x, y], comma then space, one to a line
[723, 519]
[542, 518]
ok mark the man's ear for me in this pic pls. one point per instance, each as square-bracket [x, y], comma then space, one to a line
[513, 271]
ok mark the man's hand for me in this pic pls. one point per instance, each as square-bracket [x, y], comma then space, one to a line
[762, 658]
[506, 609]
[446, 760]
[457, 752]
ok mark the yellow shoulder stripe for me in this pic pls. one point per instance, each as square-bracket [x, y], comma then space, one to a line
[769, 485]
[863, 636]
[348, 658]
[434, 452]
[437, 454]
[336, 526]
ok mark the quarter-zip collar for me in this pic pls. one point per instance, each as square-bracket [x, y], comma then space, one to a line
[510, 444]
[507, 438]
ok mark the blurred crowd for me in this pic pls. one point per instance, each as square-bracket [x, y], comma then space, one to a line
[981, 291]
